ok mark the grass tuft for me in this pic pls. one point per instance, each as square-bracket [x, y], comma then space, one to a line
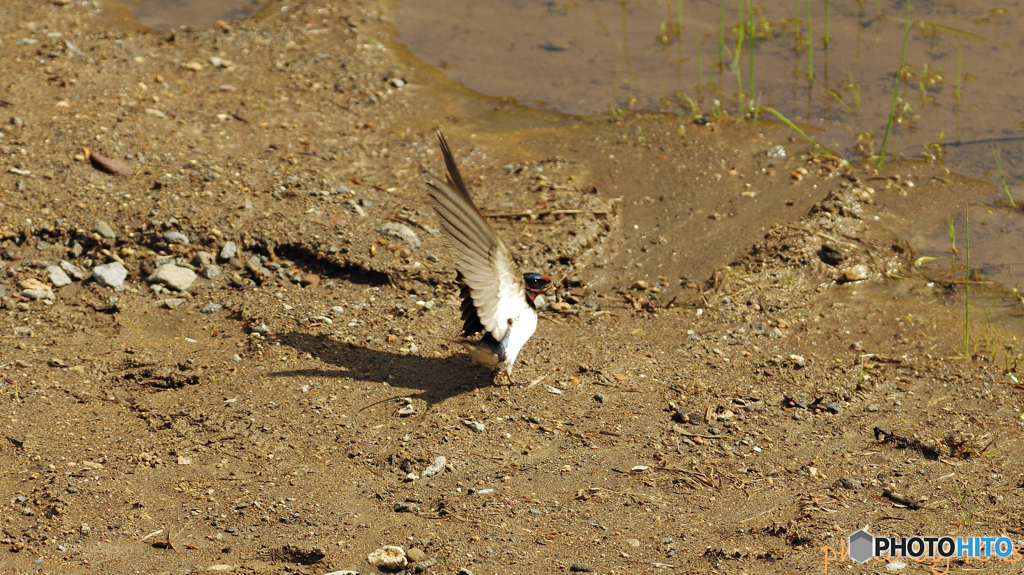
[896, 89]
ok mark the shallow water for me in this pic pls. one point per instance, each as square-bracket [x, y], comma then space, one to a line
[590, 57]
[169, 14]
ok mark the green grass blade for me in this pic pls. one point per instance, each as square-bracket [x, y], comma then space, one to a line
[896, 89]
[999, 166]
[959, 33]
[824, 151]
[967, 282]
[810, 44]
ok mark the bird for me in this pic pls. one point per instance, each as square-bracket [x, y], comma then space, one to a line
[497, 298]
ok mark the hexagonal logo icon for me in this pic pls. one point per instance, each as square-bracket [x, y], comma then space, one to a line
[862, 546]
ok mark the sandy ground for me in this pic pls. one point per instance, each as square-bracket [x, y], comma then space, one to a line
[721, 383]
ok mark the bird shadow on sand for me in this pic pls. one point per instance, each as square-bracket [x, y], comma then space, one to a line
[438, 378]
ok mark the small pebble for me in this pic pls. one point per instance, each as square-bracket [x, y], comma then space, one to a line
[416, 554]
[174, 277]
[476, 426]
[57, 276]
[210, 271]
[229, 251]
[406, 508]
[173, 237]
[855, 273]
[399, 233]
[600, 397]
[389, 557]
[110, 275]
[261, 328]
[103, 229]
[581, 568]
[310, 280]
[435, 467]
[37, 294]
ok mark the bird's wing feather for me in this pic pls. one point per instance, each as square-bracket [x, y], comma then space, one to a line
[483, 260]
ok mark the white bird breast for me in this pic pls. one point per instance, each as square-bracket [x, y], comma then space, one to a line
[519, 333]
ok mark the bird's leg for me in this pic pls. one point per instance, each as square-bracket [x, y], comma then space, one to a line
[511, 381]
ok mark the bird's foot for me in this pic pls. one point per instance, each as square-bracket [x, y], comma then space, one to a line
[512, 382]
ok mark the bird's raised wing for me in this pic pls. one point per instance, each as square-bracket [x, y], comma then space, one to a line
[484, 261]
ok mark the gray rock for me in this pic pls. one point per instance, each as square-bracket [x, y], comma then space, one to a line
[399, 233]
[175, 238]
[174, 277]
[465, 571]
[43, 246]
[476, 426]
[832, 407]
[435, 467]
[37, 293]
[210, 271]
[402, 507]
[103, 229]
[211, 308]
[76, 250]
[58, 277]
[229, 251]
[600, 397]
[73, 270]
[261, 328]
[110, 275]
[581, 568]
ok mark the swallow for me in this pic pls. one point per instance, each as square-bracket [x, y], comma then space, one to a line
[497, 298]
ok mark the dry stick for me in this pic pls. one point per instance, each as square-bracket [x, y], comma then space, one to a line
[548, 213]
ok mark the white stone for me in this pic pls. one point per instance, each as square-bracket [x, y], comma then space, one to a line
[174, 277]
[110, 275]
[390, 557]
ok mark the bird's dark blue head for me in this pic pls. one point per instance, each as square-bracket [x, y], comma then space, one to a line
[535, 284]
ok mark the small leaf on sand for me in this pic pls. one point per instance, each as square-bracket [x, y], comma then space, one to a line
[109, 165]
